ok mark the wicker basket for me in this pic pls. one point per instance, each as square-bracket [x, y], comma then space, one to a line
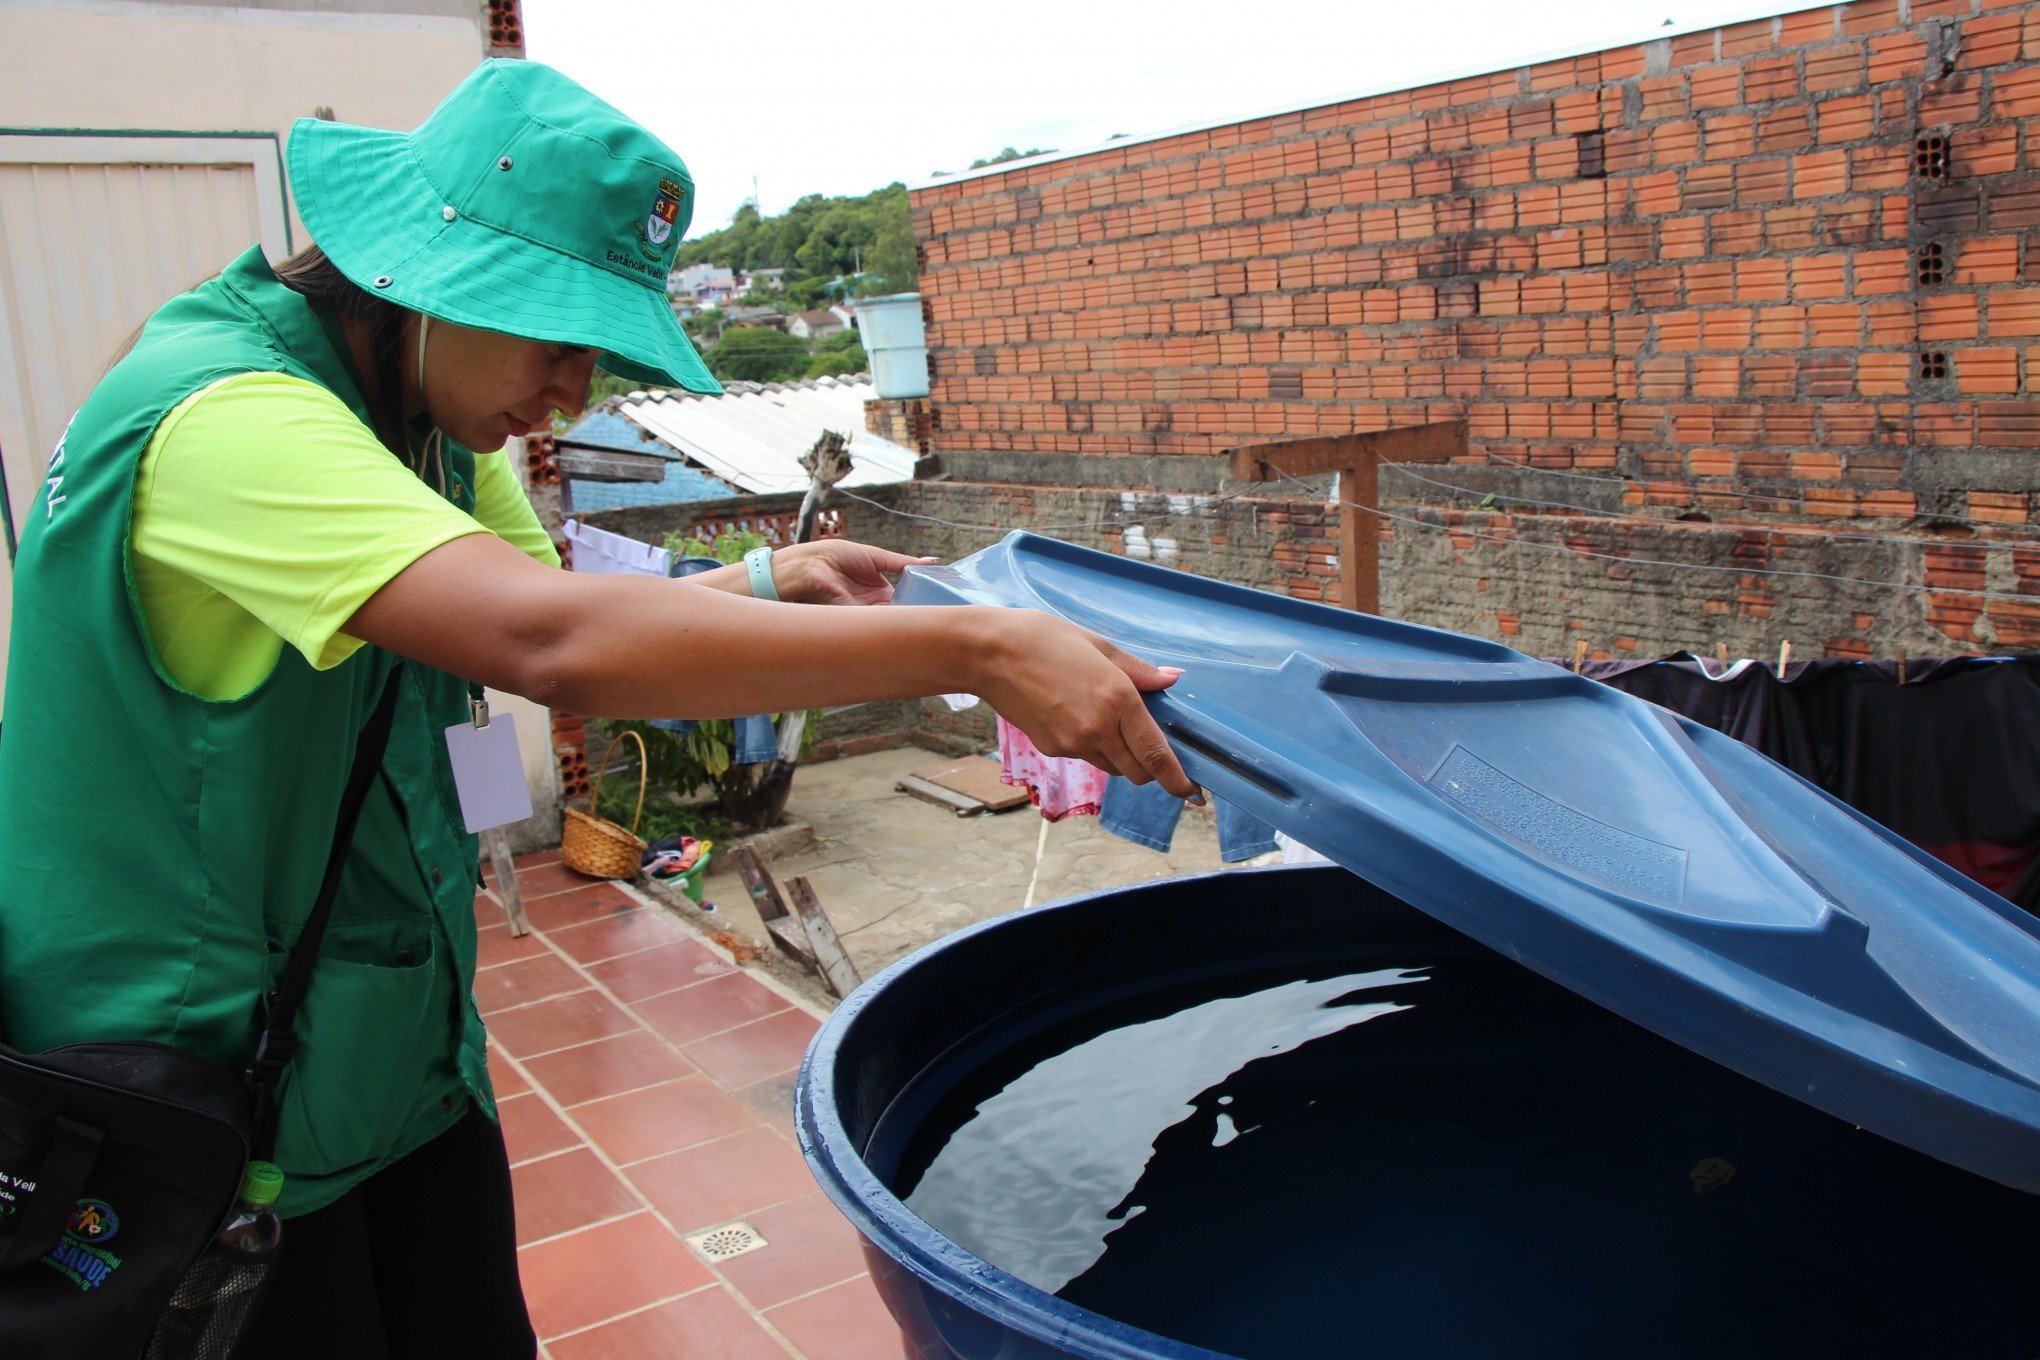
[590, 843]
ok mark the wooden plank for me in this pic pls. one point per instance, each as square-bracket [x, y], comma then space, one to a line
[507, 891]
[604, 465]
[780, 924]
[1434, 443]
[975, 777]
[836, 968]
[962, 804]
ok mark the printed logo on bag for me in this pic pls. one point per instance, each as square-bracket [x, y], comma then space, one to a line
[657, 231]
[82, 1257]
[93, 1221]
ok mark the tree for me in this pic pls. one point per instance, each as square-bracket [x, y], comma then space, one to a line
[838, 354]
[757, 354]
[893, 261]
[1010, 154]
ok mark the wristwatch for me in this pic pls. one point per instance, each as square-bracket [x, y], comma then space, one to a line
[758, 564]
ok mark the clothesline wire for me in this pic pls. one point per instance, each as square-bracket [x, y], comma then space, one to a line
[1512, 541]
[1199, 504]
[1724, 491]
[1775, 531]
[1202, 504]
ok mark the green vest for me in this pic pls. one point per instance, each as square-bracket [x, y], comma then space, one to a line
[160, 851]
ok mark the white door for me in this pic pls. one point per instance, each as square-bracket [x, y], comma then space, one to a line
[96, 232]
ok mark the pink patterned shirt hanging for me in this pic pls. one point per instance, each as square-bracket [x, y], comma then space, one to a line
[1061, 786]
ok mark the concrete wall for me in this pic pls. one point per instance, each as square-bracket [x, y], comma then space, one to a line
[1780, 278]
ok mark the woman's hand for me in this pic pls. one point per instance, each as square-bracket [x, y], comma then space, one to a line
[1075, 694]
[837, 571]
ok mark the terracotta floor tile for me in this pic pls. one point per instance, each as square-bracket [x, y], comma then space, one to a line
[627, 933]
[844, 1322]
[649, 972]
[660, 1119]
[753, 1052]
[531, 1129]
[544, 880]
[706, 1325]
[578, 906]
[507, 1080]
[562, 1022]
[810, 1246]
[559, 1194]
[595, 1274]
[710, 1007]
[525, 981]
[732, 1177]
[488, 911]
[772, 1098]
[609, 1067]
[494, 944]
[521, 862]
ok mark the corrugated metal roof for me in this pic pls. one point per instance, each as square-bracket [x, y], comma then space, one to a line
[753, 435]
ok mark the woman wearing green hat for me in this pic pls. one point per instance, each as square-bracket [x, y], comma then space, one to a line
[291, 487]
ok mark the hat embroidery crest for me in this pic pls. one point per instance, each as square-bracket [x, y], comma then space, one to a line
[658, 228]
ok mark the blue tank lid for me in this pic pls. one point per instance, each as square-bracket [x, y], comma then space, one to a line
[1658, 868]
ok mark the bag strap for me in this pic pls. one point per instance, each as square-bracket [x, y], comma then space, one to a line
[59, 1181]
[273, 1051]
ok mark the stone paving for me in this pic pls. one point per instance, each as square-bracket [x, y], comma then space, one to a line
[895, 873]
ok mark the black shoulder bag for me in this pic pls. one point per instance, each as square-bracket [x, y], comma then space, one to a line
[119, 1161]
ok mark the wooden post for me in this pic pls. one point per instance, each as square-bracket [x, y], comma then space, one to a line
[507, 891]
[835, 965]
[1357, 458]
[788, 937]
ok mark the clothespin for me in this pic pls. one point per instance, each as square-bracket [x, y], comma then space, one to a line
[1721, 654]
[1784, 656]
[1579, 654]
[1901, 665]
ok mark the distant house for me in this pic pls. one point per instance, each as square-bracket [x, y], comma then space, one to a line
[756, 316]
[772, 280]
[705, 285]
[818, 323]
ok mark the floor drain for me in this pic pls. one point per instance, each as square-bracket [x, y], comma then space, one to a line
[731, 1239]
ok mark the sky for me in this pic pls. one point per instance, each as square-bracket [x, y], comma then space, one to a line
[803, 97]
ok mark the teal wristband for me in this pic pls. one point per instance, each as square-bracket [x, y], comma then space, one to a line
[758, 564]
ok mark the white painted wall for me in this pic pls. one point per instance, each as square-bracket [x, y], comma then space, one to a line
[97, 231]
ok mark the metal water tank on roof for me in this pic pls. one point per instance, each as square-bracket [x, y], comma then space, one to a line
[896, 343]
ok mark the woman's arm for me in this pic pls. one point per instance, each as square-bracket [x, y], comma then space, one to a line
[827, 571]
[638, 647]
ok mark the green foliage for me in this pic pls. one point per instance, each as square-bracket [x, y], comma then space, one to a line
[663, 817]
[1010, 154]
[727, 547]
[838, 362]
[757, 354]
[820, 238]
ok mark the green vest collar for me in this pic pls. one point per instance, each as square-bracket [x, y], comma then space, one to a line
[309, 334]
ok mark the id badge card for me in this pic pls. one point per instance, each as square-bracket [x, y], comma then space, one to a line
[488, 771]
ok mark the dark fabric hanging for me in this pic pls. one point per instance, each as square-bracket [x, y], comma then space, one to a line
[1945, 751]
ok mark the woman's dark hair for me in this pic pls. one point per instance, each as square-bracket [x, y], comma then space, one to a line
[317, 279]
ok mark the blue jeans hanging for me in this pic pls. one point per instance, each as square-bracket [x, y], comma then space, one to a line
[756, 738]
[1146, 814]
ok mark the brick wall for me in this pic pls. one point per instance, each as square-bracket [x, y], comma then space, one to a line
[1782, 277]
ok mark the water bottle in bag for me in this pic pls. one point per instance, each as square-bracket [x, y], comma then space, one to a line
[212, 1305]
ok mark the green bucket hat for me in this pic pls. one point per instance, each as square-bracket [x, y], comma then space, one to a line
[525, 205]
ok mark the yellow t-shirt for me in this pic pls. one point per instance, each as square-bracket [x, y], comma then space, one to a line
[266, 513]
